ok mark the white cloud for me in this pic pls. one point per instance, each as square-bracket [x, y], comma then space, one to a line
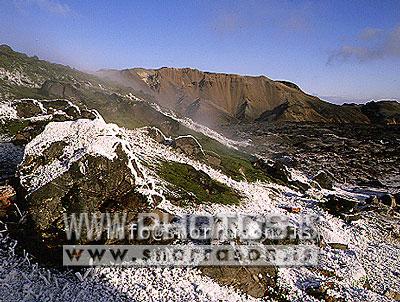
[51, 6]
[375, 49]
[370, 33]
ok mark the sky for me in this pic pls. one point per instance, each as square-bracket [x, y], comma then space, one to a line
[340, 50]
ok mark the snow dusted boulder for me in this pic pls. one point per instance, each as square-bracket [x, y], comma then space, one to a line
[189, 145]
[324, 179]
[278, 170]
[81, 166]
[275, 169]
[44, 110]
[156, 134]
[26, 118]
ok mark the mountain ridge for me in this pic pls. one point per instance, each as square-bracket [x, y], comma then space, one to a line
[218, 98]
[211, 99]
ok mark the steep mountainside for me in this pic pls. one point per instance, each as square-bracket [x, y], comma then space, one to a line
[22, 76]
[214, 98]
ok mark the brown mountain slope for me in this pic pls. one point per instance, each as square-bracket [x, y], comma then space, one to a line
[215, 98]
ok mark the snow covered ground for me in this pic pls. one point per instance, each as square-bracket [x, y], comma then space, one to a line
[17, 77]
[23, 280]
[373, 253]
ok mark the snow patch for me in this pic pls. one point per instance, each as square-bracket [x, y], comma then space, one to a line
[7, 112]
[17, 77]
[201, 129]
[81, 137]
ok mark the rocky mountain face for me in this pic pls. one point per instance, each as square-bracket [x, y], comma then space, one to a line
[22, 76]
[215, 98]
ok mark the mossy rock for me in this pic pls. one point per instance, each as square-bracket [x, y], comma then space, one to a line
[12, 127]
[196, 186]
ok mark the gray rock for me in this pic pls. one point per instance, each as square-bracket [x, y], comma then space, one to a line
[338, 206]
[156, 134]
[88, 183]
[275, 169]
[189, 146]
[388, 200]
[324, 179]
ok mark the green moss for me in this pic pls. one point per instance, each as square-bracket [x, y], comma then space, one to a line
[196, 185]
[234, 163]
[21, 92]
[12, 127]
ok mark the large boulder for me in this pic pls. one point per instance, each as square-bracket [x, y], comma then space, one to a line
[59, 89]
[275, 169]
[324, 179]
[189, 146]
[67, 108]
[28, 117]
[78, 167]
[156, 134]
[27, 108]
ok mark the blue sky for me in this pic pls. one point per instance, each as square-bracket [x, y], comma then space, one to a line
[346, 49]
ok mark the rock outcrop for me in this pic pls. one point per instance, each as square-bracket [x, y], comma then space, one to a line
[279, 171]
[33, 115]
[7, 197]
[59, 89]
[189, 146]
[156, 134]
[324, 179]
[81, 167]
[22, 120]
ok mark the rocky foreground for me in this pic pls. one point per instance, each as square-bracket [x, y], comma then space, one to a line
[58, 158]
